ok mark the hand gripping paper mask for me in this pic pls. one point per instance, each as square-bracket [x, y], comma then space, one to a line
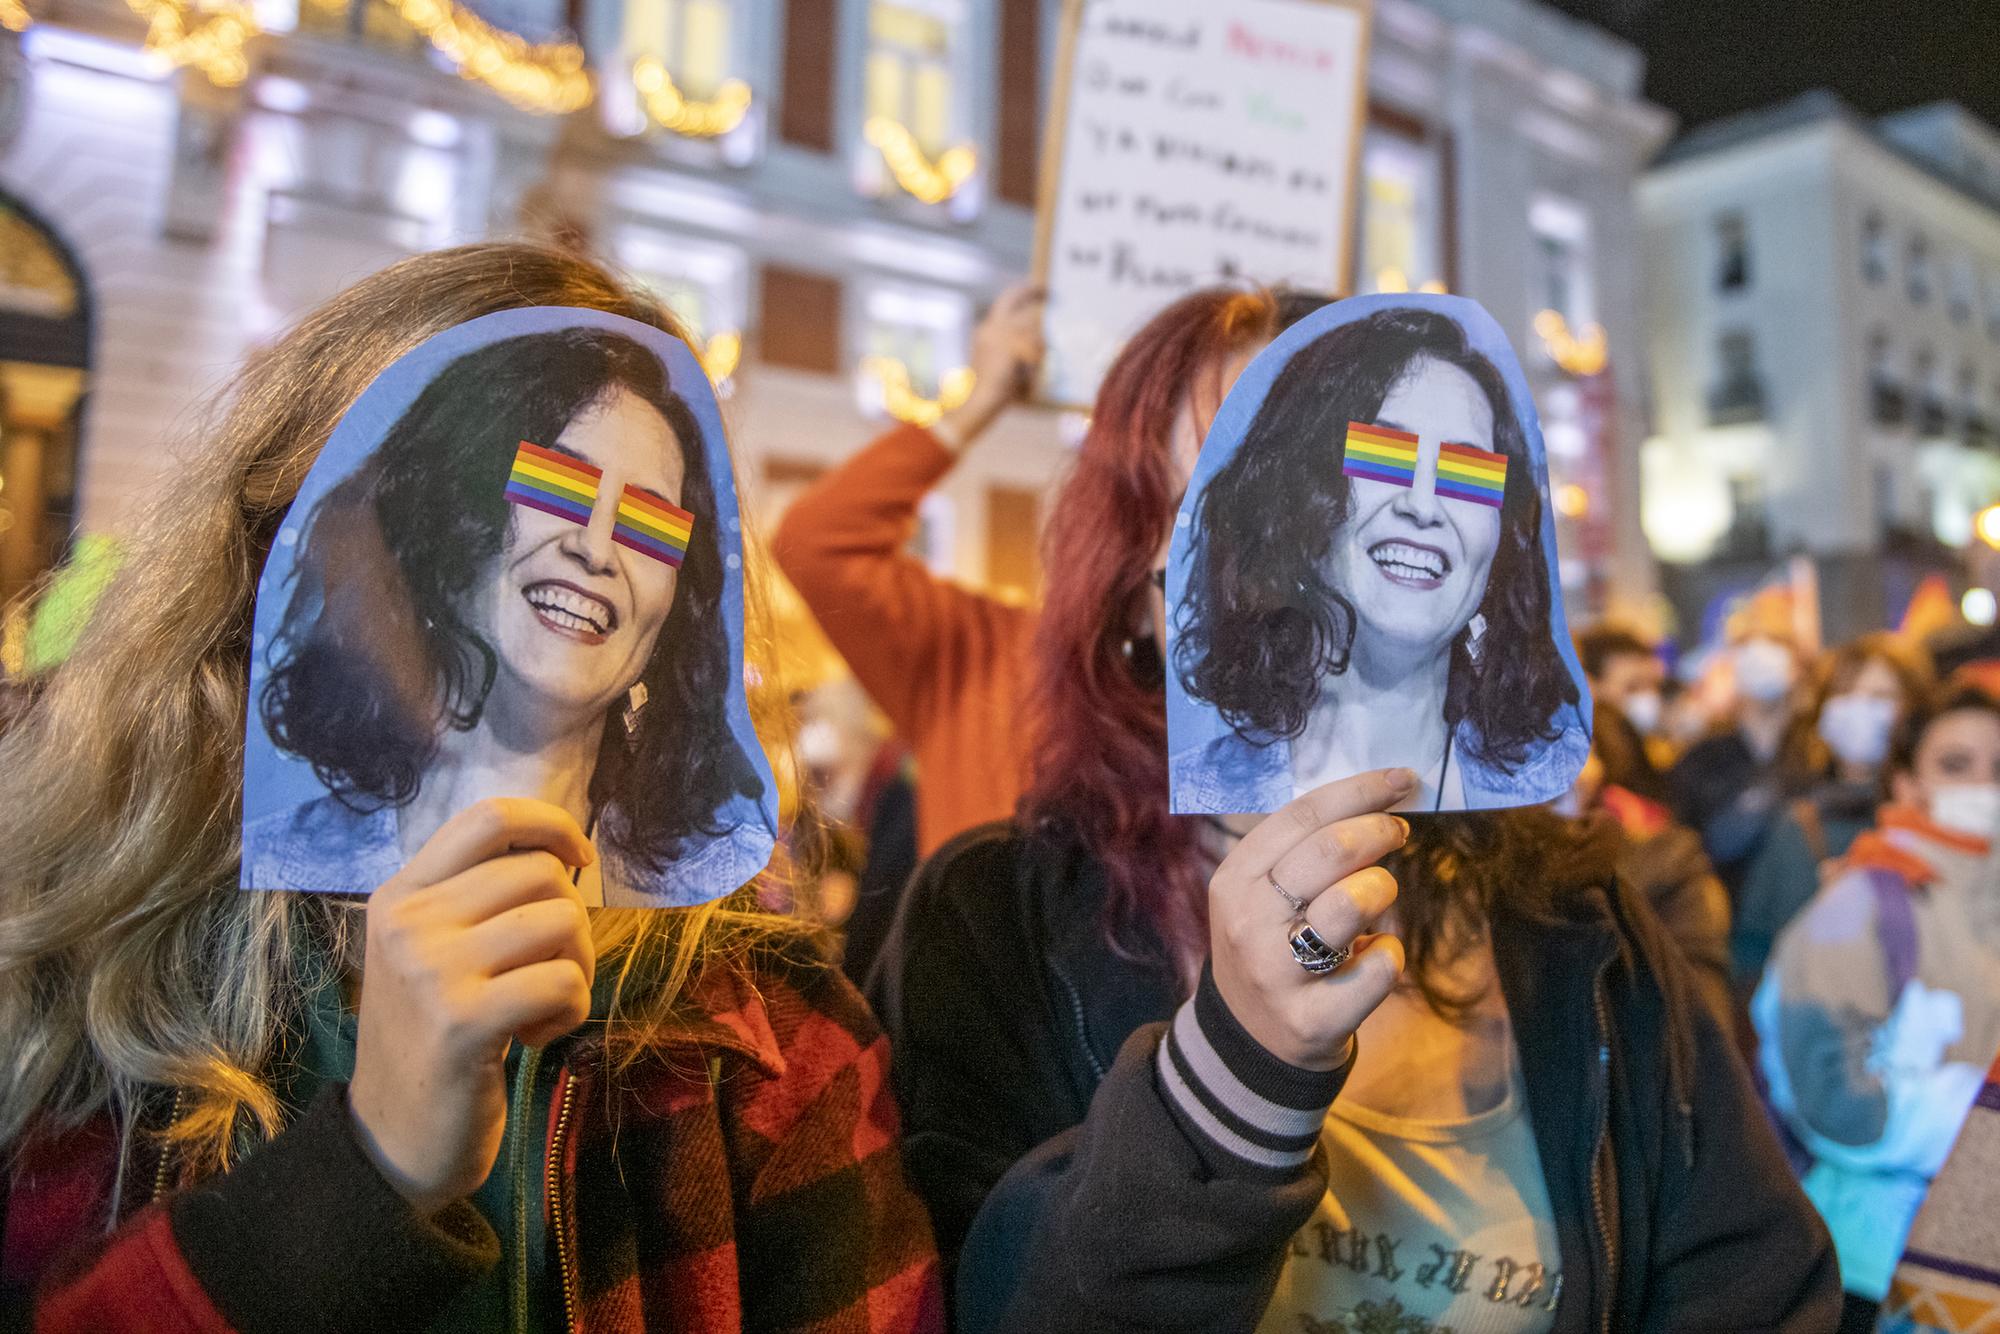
[515, 570]
[1364, 575]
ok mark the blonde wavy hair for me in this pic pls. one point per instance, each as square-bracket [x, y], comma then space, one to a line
[129, 960]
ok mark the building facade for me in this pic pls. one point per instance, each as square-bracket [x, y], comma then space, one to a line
[827, 191]
[1823, 295]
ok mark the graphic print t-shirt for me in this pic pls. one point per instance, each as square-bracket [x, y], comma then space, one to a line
[1428, 1227]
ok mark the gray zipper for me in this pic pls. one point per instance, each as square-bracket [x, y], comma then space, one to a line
[1076, 1012]
[1607, 1251]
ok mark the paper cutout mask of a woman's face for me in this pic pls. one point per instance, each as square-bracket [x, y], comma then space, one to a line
[515, 570]
[1363, 574]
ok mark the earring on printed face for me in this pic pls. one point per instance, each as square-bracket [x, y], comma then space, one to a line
[635, 704]
[566, 487]
[1475, 638]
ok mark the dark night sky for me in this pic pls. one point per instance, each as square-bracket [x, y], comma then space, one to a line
[1709, 58]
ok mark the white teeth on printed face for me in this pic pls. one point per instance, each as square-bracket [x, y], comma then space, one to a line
[570, 609]
[1400, 558]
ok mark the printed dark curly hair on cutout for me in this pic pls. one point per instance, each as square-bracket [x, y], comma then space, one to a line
[1263, 625]
[375, 660]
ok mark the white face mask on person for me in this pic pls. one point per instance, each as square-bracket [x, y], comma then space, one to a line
[1765, 670]
[1856, 728]
[1972, 809]
[1644, 711]
[819, 744]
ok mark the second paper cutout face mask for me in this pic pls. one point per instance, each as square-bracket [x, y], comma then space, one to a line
[515, 570]
[1364, 574]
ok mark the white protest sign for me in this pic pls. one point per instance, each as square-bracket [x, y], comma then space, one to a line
[1193, 141]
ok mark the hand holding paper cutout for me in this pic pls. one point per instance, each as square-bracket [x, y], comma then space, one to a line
[1397, 606]
[1322, 849]
[479, 942]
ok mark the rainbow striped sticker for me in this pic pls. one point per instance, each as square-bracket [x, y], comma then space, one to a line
[1380, 455]
[567, 488]
[1476, 475]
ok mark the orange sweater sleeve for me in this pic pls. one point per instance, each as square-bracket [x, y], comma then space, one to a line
[905, 632]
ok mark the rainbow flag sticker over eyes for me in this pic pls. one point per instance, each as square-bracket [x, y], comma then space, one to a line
[557, 484]
[653, 527]
[553, 483]
[1476, 475]
[1380, 454]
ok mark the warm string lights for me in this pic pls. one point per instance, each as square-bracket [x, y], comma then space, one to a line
[1579, 354]
[931, 182]
[203, 37]
[1395, 280]
[673, 110]
[721, 355]
[547, 77]
[904, 403]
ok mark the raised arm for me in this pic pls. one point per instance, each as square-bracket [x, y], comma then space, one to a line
[841, 543]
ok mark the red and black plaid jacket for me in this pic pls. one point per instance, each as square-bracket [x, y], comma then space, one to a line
[746, 1176]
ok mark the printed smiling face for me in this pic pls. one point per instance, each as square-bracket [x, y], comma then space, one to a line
[1415, 563]
[572, 614]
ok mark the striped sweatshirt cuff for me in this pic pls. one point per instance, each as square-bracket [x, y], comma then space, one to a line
[1243, 1108]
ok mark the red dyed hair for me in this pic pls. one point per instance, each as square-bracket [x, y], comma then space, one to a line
[1101, 766]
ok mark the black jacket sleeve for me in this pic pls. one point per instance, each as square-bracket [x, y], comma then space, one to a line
[306, 1234]
[1162, 1200]
[1728, 1207]
[1137, 1219]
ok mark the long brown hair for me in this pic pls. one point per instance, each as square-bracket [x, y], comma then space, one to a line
[1101, 765]
[129, 960]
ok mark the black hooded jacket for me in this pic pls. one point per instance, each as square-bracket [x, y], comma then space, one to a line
[1069, 1194]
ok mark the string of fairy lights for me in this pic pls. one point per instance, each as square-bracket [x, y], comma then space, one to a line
[900, 398]
[547, 78]
[552, 78]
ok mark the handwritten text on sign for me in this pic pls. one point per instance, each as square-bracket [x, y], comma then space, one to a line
[1203, 140]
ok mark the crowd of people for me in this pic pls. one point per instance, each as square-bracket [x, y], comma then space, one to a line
[1682, 1049]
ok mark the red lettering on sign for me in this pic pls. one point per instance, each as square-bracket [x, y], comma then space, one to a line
[1247, 42]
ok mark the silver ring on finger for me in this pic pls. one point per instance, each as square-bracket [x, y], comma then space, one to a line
[1312, 952]
[1298, 904]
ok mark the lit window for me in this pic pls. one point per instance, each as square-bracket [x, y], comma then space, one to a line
[1402, 221]
[327, 18]
[912, 53]
[914, 349]
[531, 20]
[1732, 244]
[690, 38]
[1561, 274]
[1874, 248]
[683, 54]
[705, 286]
